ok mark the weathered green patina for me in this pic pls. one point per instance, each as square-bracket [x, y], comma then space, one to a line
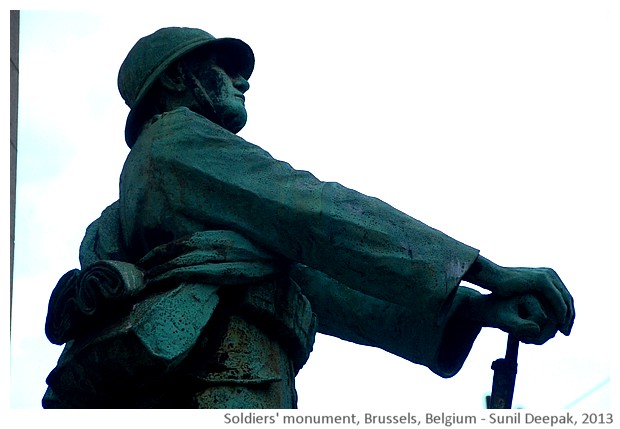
[204, 284]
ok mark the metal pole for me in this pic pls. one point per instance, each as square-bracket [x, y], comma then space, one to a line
[505, 374]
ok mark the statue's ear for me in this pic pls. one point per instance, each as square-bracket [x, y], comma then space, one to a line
[173, 78]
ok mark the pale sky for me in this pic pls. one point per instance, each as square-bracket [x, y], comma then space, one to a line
[494, 122]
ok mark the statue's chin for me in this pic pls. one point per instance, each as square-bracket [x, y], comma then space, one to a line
[234, 123]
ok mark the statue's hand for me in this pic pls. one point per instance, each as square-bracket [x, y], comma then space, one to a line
[543, 283]
[522, 316]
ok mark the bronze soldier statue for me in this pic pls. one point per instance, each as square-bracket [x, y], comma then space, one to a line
[204, 284]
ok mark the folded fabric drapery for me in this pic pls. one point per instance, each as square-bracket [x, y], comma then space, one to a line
[83, 300]
[220, 257]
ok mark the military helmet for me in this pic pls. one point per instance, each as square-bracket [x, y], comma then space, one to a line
[152, 54]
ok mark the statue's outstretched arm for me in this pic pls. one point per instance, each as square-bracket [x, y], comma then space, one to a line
[439, 343]
[348, 314]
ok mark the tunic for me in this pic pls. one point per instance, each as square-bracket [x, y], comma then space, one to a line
[374, 274]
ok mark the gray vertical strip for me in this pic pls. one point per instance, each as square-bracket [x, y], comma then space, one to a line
[14, 97]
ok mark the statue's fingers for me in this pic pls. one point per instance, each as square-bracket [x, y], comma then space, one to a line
[513, 318]
[531, 309]
[568, 327]
[567, 323]
[564, 310]
[524, 330]
[546, 286]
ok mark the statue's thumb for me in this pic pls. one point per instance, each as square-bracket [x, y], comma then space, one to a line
[522, 328]
[527, 329]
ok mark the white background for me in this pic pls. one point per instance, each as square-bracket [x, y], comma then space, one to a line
[495, 122]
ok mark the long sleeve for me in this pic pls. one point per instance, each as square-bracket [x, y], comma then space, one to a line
[186, 174]
[353, 316]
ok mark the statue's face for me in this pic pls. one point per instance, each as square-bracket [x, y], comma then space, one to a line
[224, 90]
